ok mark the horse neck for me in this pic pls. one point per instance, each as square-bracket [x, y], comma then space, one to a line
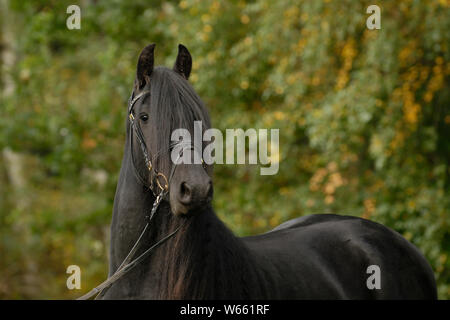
[204, 261]
[132, 202]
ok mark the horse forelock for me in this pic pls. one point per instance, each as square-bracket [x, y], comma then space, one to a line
[174, 104]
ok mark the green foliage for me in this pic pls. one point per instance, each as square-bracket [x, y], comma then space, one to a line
[363, 114]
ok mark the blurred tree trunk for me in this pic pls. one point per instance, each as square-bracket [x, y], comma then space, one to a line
[12, 161]
[8, 53]
[12, 191]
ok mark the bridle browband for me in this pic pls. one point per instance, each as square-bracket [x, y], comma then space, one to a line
[128, 264]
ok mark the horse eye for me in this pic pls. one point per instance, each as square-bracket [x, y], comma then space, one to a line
[144, 117]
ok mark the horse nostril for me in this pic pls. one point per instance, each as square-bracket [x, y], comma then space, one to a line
[185, 193]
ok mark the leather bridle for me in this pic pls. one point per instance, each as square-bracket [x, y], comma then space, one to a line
[154, 174]
[128, 263]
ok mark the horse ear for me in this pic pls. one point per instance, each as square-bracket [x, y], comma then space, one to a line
[183, 64]
[145, 65]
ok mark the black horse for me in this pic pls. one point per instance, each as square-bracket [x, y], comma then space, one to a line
[314, 257]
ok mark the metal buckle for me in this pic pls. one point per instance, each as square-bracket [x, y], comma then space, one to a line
[166, 187]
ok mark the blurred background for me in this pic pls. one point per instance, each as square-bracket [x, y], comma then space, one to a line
[364, 119]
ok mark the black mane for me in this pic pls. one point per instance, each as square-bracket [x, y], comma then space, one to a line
[173, 104]
[204, 261]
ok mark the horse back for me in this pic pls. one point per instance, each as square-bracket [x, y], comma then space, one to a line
[329, 256]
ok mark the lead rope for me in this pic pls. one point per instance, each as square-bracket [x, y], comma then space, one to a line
[133, 250]
[101, 289]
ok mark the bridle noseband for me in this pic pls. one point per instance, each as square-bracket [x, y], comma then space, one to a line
[127, 264]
